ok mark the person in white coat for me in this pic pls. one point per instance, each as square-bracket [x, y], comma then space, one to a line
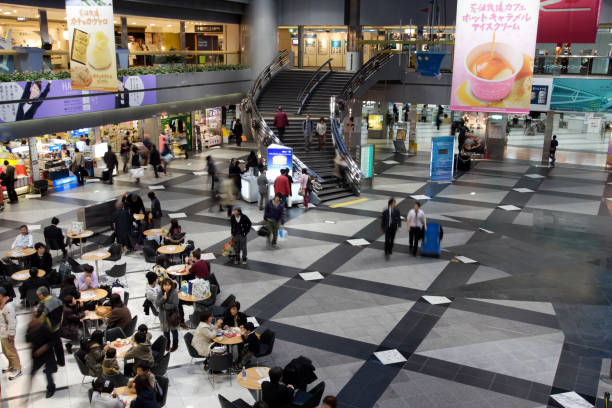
[205, 333]
[8, 328]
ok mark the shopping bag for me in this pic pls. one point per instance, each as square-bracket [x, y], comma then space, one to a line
[282, 234]
[137, 172]
[200, 288]
[263, 231]
[168, 157]
[227, 248]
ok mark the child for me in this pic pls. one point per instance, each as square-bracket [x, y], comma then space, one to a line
[110, 366]
[151, 291]
[143, 329]
[250, 343]
[141, 351]
[143, 369]
[104, 396]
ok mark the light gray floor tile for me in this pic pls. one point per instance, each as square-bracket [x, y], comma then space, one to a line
[566, 204]
[485, 273]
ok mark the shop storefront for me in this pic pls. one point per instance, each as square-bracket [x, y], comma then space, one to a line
[320, 44]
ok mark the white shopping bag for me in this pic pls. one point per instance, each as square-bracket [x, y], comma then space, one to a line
[282, 234]
[137, 172]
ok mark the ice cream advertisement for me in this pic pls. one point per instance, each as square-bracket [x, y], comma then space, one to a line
[494, 49]
[92, 45]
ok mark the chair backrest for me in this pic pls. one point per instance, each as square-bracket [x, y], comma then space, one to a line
[161, 365]
[150, 243]
[118, 380]
[117, 271]
[52, 244]
[82, 366]
[74, 265]
[163, 383]
[126, 297]
[115, 251]
[213, 281]
[268, 337]
[149, 254]
[32, 297]
[131, 327]
[159, 344]
[114, 334]
[316, 394]
[228, 301]
[219, 362]
[192, 351]
[225, 403]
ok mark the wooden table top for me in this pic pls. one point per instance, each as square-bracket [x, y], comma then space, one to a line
[171, 249]
[178, 270]
[228, 341]
[253, 375]
[154, 231]
[191, 298]
[20, 253]
[126, 344]
[96, 255]
[139, 217]
[93, 315]
[84, 234]
[25, 274]
[126, 393]
[86, 295]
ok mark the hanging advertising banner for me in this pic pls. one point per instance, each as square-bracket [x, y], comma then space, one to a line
[568, 21]
[91, 31]
[581, 95]
[494, 48]
[279, 157]
[442, 158]
[367, 160]
[541, 91]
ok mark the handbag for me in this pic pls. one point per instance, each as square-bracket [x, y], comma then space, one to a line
[301, 192]
[263, 231]
[173, 318]
[168, 157]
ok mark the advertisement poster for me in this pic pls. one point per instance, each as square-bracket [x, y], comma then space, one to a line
[582, 95]
[568, 21]
[375, 122]
[86, 102]
[494, 49]
[91, 32]
[442, 158]
[367, 160]
[541, 91]
[279, 157]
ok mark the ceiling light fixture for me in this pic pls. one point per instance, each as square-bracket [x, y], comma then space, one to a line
[20, 18]
[7, 13]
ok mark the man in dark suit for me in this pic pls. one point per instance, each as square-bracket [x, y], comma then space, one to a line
[41, 259]
[33, 282]
[274, 393]
[391, 221]
[54, 237]
[8, 181]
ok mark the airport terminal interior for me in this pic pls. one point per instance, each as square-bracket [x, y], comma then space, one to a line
[283, 203]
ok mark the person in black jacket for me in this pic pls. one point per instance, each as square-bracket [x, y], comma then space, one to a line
[250, 345]
[122, 223]
[41, 259]
[133, 203]
[233, 317]
[41, 340]
[69, 288]
[237, 129]
[154, 159]
[111, 161]
[275, 393]
[155, 209]
[391, 221]
[54, 237]
[241, 225]
[33, 282]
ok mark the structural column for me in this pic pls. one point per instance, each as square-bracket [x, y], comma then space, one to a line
[263, 38]
[354, 51]
[300, 34]
[182, 35]
[124, 33]
[34, 170]
[44, 26]
[552, 121]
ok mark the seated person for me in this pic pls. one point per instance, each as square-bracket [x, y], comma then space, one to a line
[250, 345]
[205, 333]
[104, 396]
[234, 317]
[174, 235]
[95, 353]
[145, 395]
[54, 237]
[72, 325]
[120, 315]
[148, 222]
[199, 267]
[33, 282]
[143, 369]
[69, 288]
[24, 239]
[143, 329]
[88, 279]
[274, 392]
[110, 365]
[161, 263]
[151, 292]
[140, 351]
[41, 259]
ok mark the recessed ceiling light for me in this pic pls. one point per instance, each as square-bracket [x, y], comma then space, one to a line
[152, 24]
[7, 12]
[169, 25]
[21, 18]
[133, 22]
[14, 11]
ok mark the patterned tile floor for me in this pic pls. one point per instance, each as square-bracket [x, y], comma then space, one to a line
[531, 318]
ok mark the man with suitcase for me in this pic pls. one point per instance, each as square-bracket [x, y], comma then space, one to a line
[417, 223]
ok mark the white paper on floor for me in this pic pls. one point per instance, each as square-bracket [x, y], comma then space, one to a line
[357, 242]
[390, 162]
[253, 320]
[534, 176]
[33, 196]
[308, 276]
[523, 190]
[421, 197]
[487, 231]
[333, 222]
[93, 180]
[437, 300]
[209, 256]
[465, 259]
[256, 228]
[199, 173]
[157, 188]
[177, 215]
[509, 207]
[390, 356]
[33, 227]
[571, 399]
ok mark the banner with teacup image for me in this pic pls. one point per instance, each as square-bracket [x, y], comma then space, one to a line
[494, 49]
[91, 32]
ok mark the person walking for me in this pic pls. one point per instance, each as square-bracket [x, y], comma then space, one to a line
[321, 131]
[8, 328]
[241, 225]
[553, 150]
[8, 181]
[263, 186]
[156, 210]
[280, 123]
[50, 309]
[42, 344]
[417, 223]
[282, 187]
[211, 169]
[238, 131]
[154, 160]
[308, 128]
[78, 161]
[125, 152]
[136, 161]
[391, 222]
[110, 159]
[305, 186]
[274, 216]
[227, 195]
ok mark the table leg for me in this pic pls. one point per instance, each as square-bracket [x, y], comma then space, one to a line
[97, 271]
[81, 247]
[258, 395]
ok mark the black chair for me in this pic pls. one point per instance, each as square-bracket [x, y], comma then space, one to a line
[194, 320]
[219, 311]
[82, 367]
[189, 246]
[54, 245]
[118, 271]
[150, 243]
[31, 297]
[108, 240]
[126, 297]
[158, 348]
[316, 393]
[129, 330]
[114, 334]
[219, 363]
[118, 380]
[161, 366]
[239, 403]
[193, 353]
[163, 384]
[150, 254]
[74, 265]
[266, 344]
[115, 251]
[213, 281]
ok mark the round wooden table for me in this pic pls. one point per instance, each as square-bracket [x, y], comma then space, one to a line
[251, 381]
[25, 275]
[125, 393]
[229, 341]
[171, 249]
[92, 295]
[93, 316]
[178, 270]
[126, 344]
[96, 256]
[84, 234]
[139, 217]
[20, 253]
[154, 232]
[191, 298]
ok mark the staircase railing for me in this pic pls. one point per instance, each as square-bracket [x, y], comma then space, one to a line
[261, 131]
[338, 110]
[312, 85]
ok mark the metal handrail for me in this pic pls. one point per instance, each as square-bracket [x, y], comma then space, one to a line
[308, 88]
[259, 127]
[353, 173]
[364, 73]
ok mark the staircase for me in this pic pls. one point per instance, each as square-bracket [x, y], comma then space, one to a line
[283, 90]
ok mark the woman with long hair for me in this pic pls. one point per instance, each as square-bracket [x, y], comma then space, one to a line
[169, 318]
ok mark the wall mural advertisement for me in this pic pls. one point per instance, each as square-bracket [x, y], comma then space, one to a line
[572, 21]
[541, 91]
[72, 101]
[494, 49]
[581, 95]
[92, 45]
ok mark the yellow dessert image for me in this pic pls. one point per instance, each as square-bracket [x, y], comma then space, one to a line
[98, 53]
